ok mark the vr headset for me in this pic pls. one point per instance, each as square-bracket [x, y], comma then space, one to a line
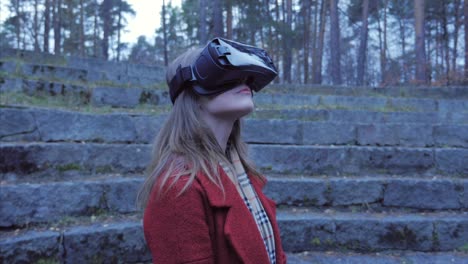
[222, 65]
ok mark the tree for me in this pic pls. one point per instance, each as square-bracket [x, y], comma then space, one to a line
[46, 25]
[335, 52]
[317, 66]
[363, 44]
[217, 18]
[163, 20]
[287, 49]
[202, 28]
[420, 50]
[465, 11]
[105, 12]
[57, 25]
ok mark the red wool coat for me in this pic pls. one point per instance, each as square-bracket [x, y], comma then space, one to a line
[203, 225]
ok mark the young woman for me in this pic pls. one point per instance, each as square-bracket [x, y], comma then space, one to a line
[203, 198]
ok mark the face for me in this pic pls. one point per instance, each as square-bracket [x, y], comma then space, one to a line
[230, 105]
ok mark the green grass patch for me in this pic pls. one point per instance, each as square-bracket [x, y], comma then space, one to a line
[68, 167]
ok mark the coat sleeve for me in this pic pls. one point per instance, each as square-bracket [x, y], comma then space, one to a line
[175, 226]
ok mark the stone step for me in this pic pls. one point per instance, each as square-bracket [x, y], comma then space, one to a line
[102, 242]
[48, 202]
[371, 193]
[445, 92]
[24, 158]
[367, 232]
[81, 78]
[362, 116]
[301, 231]
[52, 125]
[401, 257]
[68, 68]
[98, 94]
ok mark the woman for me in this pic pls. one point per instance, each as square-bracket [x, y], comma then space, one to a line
[203, 199]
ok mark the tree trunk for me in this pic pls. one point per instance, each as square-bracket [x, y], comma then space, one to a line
[445, 39]
[421, 75]
[202, 30]
[287, 49]
[465, 11]
[57, 26]
[82, 29]
[361, 66]
[96, 30]
[384, 55]
[119, 29]
[46, 25]
[36, 26]
[218, 29]
[455, 36]
[164, 32]
[313, 48]
[321, 40]
[229, 19]
[335, 66]
[107, 20]
[404, 66]
[307, 21]
[18, 24]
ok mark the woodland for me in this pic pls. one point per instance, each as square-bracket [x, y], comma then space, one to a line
[337, 42]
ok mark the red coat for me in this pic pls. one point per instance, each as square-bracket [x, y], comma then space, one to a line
[204, 226]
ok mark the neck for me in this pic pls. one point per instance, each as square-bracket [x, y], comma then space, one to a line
[221, 129]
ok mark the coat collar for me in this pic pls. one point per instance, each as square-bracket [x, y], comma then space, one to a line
[240, 228]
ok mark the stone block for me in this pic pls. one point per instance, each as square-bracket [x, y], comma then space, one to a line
[96, 158]
[411, 135]
[409, 233]
[422, 194]
[276, 131]
[307, 233]
[16, 121]
[450, 233]
[297, 192]
[355, 191]
[121, 195]
[412, 104]
[116, 97]
[106, 243]
[36, 203]
[56, 125]
[351, 102]
[298, 159]
[326, 133]
[147, 127]
[452, 161]
[30, 247]
[451, 135]
[390, 160]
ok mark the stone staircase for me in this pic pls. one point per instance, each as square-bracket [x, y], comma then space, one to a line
[360, 175]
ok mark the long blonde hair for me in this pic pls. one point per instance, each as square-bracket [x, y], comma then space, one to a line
[185, 145]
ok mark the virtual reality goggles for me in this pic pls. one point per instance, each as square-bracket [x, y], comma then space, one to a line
[222, 65]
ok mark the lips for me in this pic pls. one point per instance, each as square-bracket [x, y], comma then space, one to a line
[245, 90]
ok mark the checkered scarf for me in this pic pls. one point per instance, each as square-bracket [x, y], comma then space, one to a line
[253, 203]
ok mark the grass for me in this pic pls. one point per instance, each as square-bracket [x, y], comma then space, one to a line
[73, 102]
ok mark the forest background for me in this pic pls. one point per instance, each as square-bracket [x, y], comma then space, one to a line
[340, 42]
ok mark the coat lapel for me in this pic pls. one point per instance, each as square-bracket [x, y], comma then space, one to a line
[240, 228]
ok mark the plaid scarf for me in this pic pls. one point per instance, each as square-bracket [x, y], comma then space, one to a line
[253, 203]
